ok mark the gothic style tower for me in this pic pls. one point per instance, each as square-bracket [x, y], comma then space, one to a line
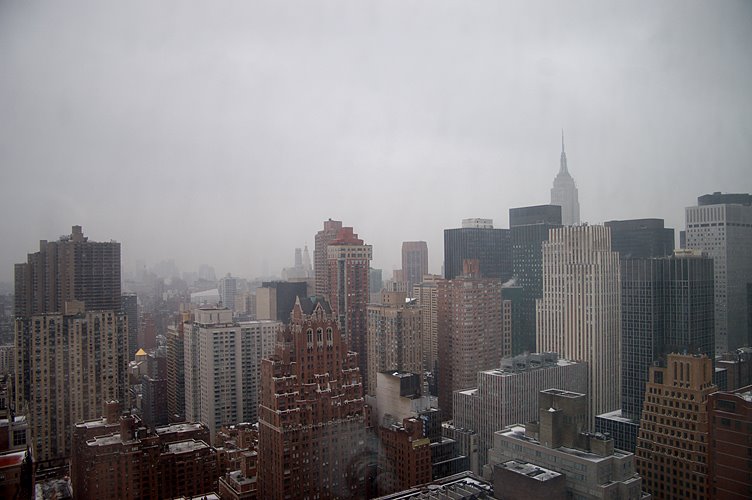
[564, 192]
[312, 417]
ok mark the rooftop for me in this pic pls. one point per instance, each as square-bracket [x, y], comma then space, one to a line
[530, 470]
[459, 486]
[182, 427]
[186, 446]
[518, 432]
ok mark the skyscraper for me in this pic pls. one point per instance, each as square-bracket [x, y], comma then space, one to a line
[414, 262]
[72, 268]
[529, 228]
[579, 315]
[312, 418]
[349, 270]
[426, 295]
[320, 256]
[226, 380]
[394, 337]
[228, 289]
[477, 239]
[564, 192]
[71, 338]
[130, 308]
[470, 331]
[672, 448]
[667, 306]
[721, 225]
[176, 368]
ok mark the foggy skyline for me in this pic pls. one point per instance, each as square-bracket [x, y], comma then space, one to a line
[226, 135]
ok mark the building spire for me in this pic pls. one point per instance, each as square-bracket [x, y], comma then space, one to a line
[563, 167]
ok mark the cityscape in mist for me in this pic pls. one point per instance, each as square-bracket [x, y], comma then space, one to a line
[376, 249]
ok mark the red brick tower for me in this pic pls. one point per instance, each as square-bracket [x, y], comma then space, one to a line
[312, 418]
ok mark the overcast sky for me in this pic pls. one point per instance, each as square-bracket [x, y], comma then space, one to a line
[227, 132]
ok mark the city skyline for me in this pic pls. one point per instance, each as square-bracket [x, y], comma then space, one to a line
[223, 120]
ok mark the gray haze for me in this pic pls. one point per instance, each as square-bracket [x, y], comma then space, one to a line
[226, 132]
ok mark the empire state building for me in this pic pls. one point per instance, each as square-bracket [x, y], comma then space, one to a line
[564, 192]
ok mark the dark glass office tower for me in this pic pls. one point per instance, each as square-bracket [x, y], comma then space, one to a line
[528, 230]
[641, 238]
[478, 240]
[667, 306]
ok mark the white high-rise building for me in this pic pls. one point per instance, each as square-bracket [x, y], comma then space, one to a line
[579, 315]
[721, 225]
[228, 289]
[564, 192]
[509, 395]
[223, 367]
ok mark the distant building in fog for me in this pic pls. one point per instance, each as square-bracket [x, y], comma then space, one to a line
[414, 262]
[228, 289]
[275, 299]
[320, 257]
[349, 260]
[564, 192]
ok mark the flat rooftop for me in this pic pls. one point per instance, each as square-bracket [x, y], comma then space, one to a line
[462, 485]
[182, 427]
[530, 470]
[186, 446]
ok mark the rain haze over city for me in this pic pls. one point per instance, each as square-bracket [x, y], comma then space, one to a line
[226, 133]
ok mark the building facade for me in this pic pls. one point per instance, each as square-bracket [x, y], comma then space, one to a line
[349, 262]
[672, 446]
[414, 261]
[176, 367]
[528, 227]
[721, 225]
[470, 331]
[426, 297]
[477, 239]
[130, 308]
[313, 420]
[321, 256]
[667, 306]
[395, 335]
[71, 338]
[641, 238]
[579, 315]
[228, 290]
[227, 377]
[275, 299]
[118, 457]
[730, 416]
